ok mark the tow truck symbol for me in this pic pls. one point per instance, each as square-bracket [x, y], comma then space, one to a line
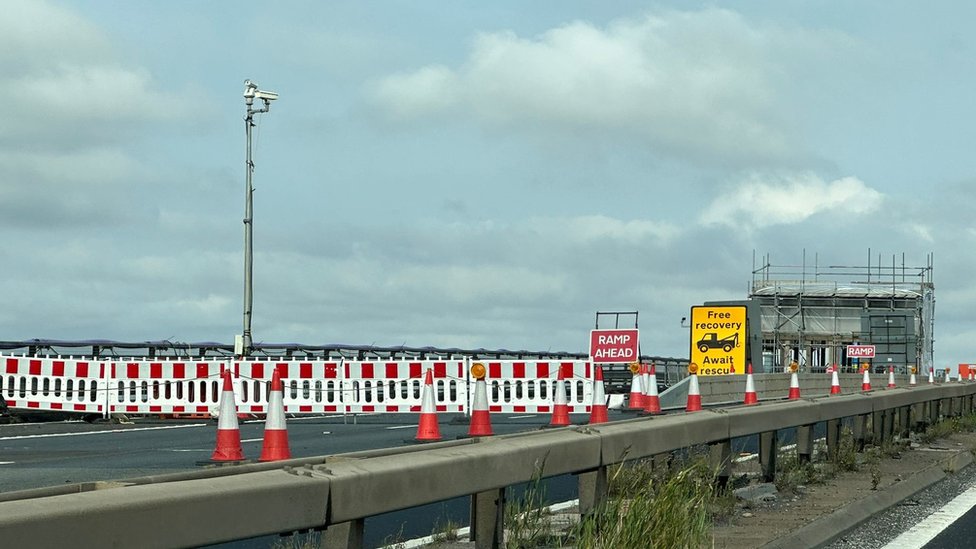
[712, 341]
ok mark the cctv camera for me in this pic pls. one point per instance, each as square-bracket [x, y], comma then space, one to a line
[249, 88]
[266, 95]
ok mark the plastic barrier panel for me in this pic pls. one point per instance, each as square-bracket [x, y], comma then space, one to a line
[528, 386]
[44, 383]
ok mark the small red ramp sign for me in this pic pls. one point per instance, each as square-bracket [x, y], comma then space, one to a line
[614, 346]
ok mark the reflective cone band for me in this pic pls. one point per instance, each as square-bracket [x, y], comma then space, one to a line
[560, 407]
[275, 431]
[751, 396]
[228, 431]
[866, 381]
[636, 392]
[891, 377]
[794, 393]
[480, 415]
[598, 410]
[428, 430]
[834, 382]
[652, 402]
[694, 394]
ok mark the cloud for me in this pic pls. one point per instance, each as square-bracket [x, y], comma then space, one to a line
[701, 83]
[758, 202]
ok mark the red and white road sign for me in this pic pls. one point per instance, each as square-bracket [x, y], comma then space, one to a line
[614, 346]
[860, 351]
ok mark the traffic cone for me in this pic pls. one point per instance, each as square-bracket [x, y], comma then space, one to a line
[694, 394]
[751, 396]
[866, 381]
[598, 410]
[228, 431]
[560, 408]
[275, 431]
[794, 393]
[636, 390]
[911, 376]
[931, 376]
[891, 377]
[947, 379]
[652, 402]
[480, 415]
[834, 382]
[428, 430]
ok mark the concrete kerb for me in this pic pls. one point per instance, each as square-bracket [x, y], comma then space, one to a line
[830, 527]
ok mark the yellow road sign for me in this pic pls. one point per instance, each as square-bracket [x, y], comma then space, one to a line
[718, 340]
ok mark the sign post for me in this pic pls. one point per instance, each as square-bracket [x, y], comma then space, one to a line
[718, 340]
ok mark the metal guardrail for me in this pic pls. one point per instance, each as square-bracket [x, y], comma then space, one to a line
[338, 492]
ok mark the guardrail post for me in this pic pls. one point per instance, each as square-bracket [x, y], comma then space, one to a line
[833, 437]
[593, 490]
[888, 425]
[858, 429]
[345, 535]
[904, 421]
[488, 519]
[934, 411]
[720, 459]
[768, 448]
[877, 427]
[804, 443]
[920, 415]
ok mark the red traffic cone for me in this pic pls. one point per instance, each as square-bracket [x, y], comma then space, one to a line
[636, 390]
[652, 402]
[480, 414]
[275, 431]
[598, 410]
[794, 393]
[694, 394]
[560, 408]
[911, 377]
[891, 377]
[931, 375]
[751, 396]
[428, 430]
[834, 382]
[228, 431]
[947, 379]
[866, 382]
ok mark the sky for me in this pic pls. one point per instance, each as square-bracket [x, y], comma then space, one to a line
[472, 174]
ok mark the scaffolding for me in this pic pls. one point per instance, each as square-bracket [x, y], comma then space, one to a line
[811, 313]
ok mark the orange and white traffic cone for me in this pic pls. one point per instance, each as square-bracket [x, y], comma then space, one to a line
[228, 447]
[794, 393]
[428, 430]
[560, 407]
[598, 410]
[652, 401]
[931, 376]
[866, 381]
[694, 394]
[834, 382]
[275, 431]
[947, 379]
[636, 389]
[480, 414]
[891, 377]
[751, 396]
[911, 377]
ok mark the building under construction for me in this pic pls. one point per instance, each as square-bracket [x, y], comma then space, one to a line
[811, 313]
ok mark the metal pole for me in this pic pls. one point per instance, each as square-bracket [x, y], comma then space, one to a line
[248, 226]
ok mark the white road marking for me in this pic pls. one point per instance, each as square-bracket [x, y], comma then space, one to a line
[931, 526]
[401, 427]
[252, 440]
[326, 432]
[55, 435]
[7, 462]
[521, 417]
